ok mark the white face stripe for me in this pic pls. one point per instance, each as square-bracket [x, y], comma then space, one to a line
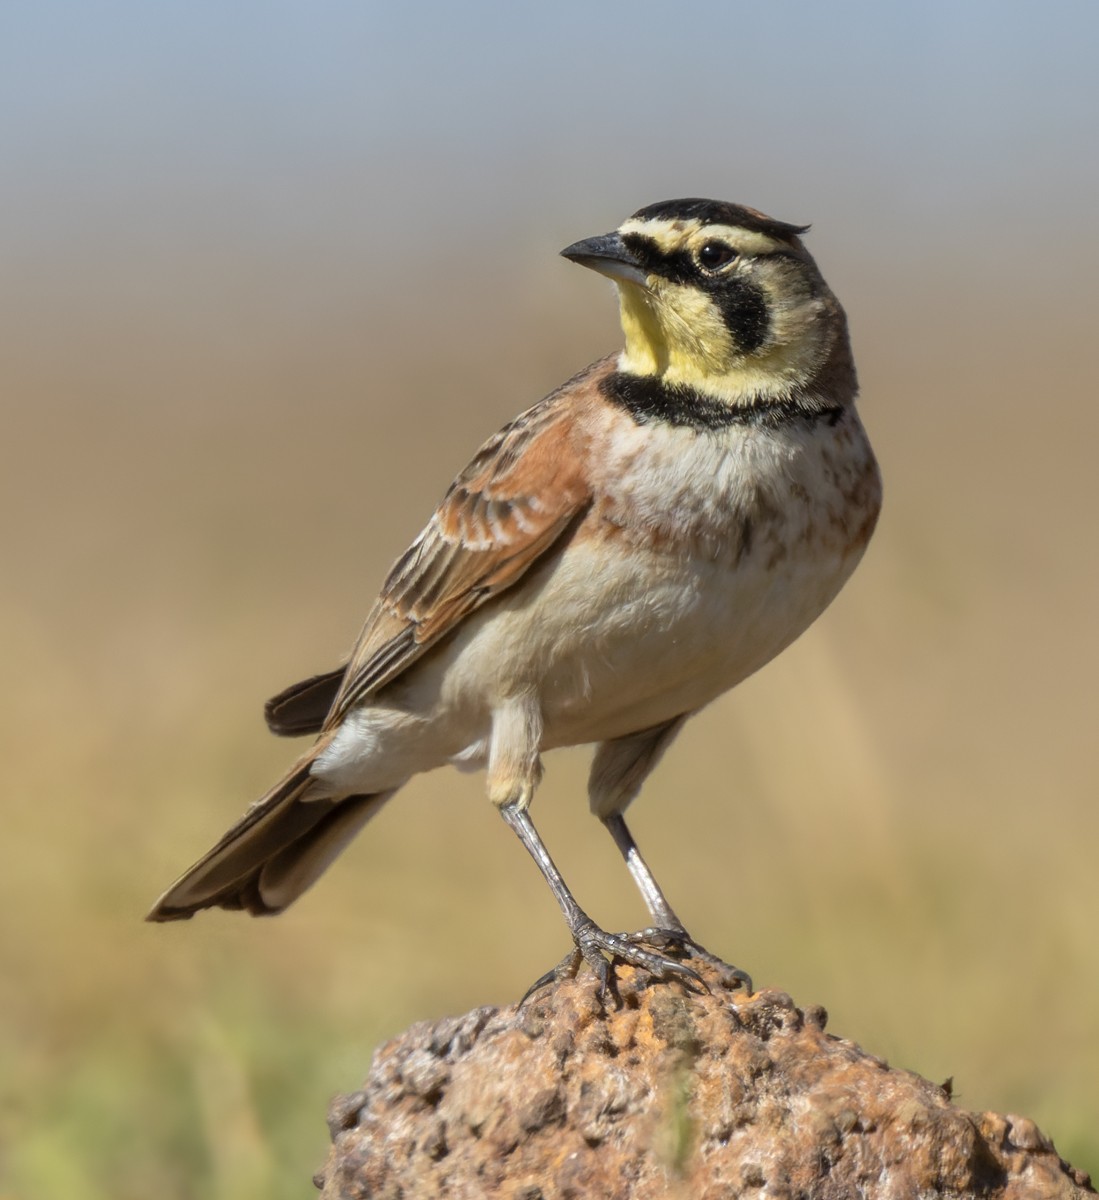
[673, 235]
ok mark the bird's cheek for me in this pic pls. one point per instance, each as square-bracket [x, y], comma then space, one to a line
[697, 336]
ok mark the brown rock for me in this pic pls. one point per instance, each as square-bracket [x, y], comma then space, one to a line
[669, 1094]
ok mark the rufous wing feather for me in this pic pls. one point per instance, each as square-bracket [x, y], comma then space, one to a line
[524, 488]
[522, 491]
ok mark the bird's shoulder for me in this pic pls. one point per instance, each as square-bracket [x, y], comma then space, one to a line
[519, 494]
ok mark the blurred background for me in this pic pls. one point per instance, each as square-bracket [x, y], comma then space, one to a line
[270, 273]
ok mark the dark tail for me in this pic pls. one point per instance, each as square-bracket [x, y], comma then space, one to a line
[302, 707]
[281, 846]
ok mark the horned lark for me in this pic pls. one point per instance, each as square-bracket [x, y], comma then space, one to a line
[622, 553]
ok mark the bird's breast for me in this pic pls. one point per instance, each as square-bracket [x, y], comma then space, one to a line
[737, 494]
[700, 559]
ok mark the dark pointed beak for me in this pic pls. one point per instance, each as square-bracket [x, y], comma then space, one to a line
[609, 255]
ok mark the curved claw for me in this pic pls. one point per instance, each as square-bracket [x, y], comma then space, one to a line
[565, 969]
[679, 941]
[594, 942]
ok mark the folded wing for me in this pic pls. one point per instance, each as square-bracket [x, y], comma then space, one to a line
[523, 490]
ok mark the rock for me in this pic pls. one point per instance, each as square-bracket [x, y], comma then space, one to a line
[668, 1094]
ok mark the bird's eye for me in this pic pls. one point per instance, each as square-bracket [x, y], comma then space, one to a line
[712, 256]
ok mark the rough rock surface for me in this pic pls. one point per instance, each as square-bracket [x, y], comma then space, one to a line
[670, 1094]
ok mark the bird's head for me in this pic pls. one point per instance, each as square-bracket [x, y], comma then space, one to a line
[720, 298]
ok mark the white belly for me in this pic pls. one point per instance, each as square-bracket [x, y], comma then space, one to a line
[674, 637]
[629, 625]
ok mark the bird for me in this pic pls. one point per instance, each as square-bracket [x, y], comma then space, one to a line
[615, 558]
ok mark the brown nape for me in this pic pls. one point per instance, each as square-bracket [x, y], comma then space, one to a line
[837, 376]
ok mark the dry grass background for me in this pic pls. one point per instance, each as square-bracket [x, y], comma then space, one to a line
[213, 446]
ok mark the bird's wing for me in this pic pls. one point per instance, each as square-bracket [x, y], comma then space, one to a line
[524, 488]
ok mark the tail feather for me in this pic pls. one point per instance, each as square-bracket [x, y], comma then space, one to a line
[291, 871]
[281, 846]
[302, 707]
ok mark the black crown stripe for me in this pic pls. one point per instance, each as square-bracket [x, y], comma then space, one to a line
[719, 212]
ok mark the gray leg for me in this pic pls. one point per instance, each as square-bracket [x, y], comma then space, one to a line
[660, 910]
[669, 933]
[592, 943]
[619, 769]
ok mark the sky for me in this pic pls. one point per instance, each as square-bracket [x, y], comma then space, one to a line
[360, 121]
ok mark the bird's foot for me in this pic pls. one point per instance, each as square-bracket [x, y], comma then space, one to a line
[565, 969]
[678, 942]
[593, 945]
